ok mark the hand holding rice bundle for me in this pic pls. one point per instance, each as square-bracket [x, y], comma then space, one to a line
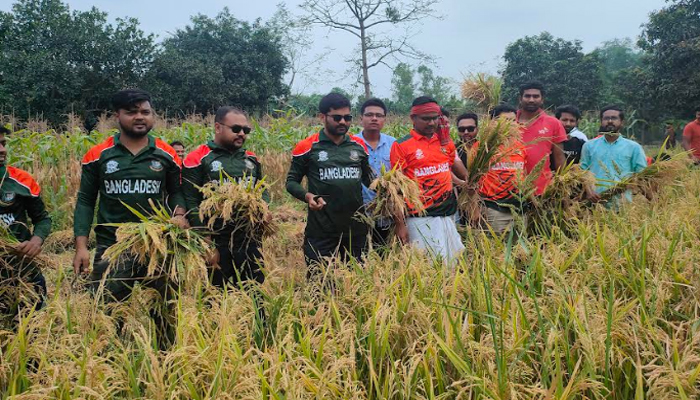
[238, 203]
[396, 195]
[161, 245]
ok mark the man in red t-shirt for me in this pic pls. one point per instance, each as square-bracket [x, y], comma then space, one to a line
[542, 135]
[691, 137]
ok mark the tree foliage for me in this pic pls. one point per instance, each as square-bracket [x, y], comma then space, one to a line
[219, 61]
[671, 40]
[54, 61]
[569, 75]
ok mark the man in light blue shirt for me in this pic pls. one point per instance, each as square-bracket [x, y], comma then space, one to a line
[379, 146]
[611, 157]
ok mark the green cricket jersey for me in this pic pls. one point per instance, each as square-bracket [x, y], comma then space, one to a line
[110, 170]
[20, 200]
[337, 173]
[208, 163]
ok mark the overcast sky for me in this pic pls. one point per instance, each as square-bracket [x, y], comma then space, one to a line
[470, 38]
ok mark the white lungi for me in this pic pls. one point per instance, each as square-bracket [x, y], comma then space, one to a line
[436, 235]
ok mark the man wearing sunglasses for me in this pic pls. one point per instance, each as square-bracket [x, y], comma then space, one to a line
[379, 147]
[467, 129]
[336, 166]
[425, 156]
[236, 258]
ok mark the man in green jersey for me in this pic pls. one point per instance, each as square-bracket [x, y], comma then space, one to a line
[237, 255]
[131, 167]
[336, 166]
[20, 201]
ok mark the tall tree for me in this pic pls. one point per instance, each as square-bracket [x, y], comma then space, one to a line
[403, 88]
[54, 61]
[437, 87]
[373, 23]
[671, 40]
[569, 75]
[219, 61]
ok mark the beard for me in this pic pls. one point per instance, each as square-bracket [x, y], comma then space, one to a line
[134, 134]
[339, 130]
[608, 129]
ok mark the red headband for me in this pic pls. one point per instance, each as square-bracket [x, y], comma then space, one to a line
[426, 108]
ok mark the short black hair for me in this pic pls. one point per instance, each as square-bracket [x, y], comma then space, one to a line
[419, 101]
[468, 115]
[4, 130]
[531, 85]
[445, 111]
[569, 109]
[128, 98]
[176, 143]
[333, 101]
[373, 102]
[613, 107]
[502, 108]
[223, 111]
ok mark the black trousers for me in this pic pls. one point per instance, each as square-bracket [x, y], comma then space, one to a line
[22, 286]
[316, 249]
[237, 263]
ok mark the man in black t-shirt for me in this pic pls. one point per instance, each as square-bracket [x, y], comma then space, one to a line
[569, 116]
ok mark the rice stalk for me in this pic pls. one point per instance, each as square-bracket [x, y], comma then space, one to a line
[396, 196]
[239, 204]
[163, 247]
[649, 180]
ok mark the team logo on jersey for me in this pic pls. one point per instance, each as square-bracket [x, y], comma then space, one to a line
[443, 150]
[216, 166]
[249, 164]
[156, 166]
[322, 156]
[543, 131]
[354, 155]
[112, 167]
[8, 197]
[419, 154]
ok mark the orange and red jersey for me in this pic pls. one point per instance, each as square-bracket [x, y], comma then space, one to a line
[539, 137]
[429, 163]
[500, 182]
[692, 133]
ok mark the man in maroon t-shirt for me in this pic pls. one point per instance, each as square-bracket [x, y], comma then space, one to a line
[542, 135]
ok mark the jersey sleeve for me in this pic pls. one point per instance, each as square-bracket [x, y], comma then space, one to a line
[87, 199]
[173, 182]
[558, 133]
[297, 171]
[192, 179]
[36, 210]
[396, 157]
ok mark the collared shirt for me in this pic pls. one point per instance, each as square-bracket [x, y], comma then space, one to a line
[692, 133]
[119, 177]
[378, 158]
[612, 162]
[336, 172]
[208, 163]
[539, 137]
[20, 197]
[578, 134]
[429, 163]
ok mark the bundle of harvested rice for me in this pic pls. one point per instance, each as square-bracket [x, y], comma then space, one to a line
[569, 187]
[396, 195]
[649, 180]
[484, 90]
[162, 246]
[494, 140]
[238, 204]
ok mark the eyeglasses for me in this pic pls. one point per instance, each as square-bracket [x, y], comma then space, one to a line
[613, 118]
[469, 129]
[428, 119]
[337, 118]
[374, 115]
[237, 128]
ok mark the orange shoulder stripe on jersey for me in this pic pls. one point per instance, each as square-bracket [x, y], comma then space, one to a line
[160, 144]
[305, 145]
[96, 151]
[25, 179]
[360, 142]
[194, 159]
[249, 153]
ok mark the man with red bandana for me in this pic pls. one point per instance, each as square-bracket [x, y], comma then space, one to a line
[427, 156]
[542, 135]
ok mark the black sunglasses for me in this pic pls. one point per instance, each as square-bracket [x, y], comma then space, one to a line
[237, 128]
[469, 129]
[337, 118]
